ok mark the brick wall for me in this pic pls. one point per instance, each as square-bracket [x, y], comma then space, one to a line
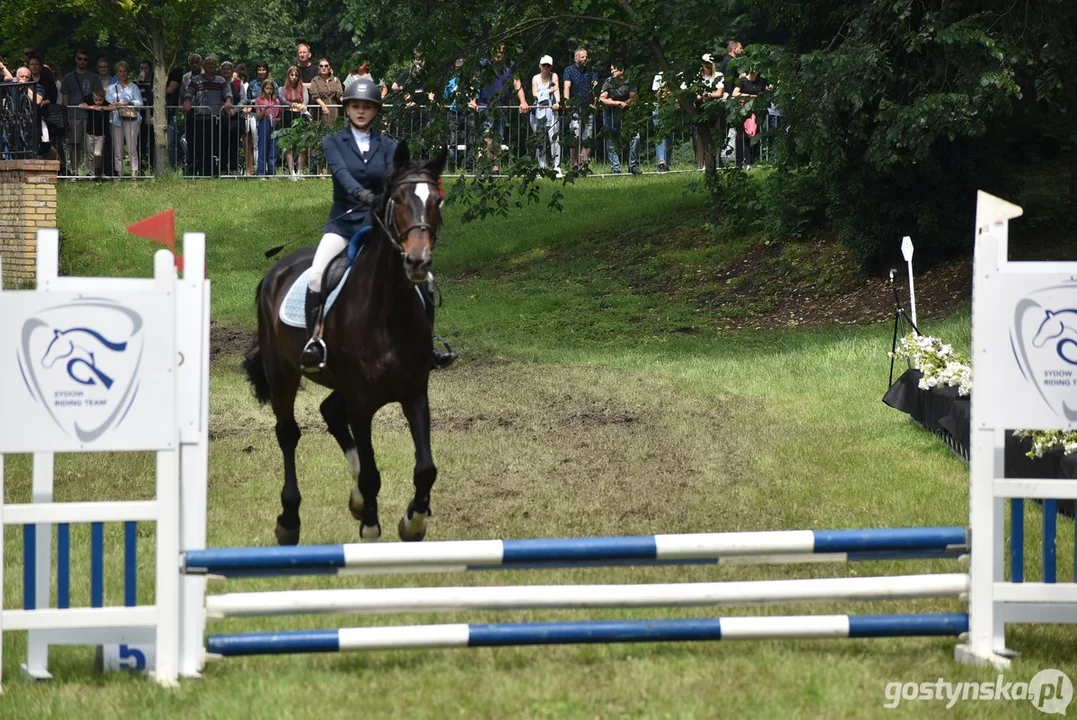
[27, 202]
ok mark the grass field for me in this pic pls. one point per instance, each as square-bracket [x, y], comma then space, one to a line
[596, 394]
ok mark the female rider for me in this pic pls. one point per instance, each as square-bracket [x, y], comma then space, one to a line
[357, 178]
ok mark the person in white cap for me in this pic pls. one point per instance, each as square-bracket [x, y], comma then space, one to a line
[710, 88]
[545, 89]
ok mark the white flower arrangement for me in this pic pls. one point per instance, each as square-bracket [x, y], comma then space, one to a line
[937, 362]
[940, 365]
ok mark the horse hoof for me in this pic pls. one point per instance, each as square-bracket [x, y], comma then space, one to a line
[413, 530]
[286, 536]
[355, 503]
[369, 533]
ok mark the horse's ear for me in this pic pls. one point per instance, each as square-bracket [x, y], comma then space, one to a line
[402, 156]
[1050, 314]
[437, 165]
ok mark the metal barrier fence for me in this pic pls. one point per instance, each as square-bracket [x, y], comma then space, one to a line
[204, 143]
[20, 129]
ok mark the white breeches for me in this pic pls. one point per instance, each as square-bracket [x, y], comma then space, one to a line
[330, 246]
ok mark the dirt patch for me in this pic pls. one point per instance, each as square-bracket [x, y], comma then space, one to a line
[229, 340]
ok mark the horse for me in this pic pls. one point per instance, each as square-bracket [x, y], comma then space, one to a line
[380, 348]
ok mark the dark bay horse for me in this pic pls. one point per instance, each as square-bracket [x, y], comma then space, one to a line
[379, 344]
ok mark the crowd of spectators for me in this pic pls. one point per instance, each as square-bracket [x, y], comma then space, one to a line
[97, 121]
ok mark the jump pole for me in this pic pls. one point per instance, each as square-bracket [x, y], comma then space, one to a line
[551, 597]
[575, 552]
[573, 633]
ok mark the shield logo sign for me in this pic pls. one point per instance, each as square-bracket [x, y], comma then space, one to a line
[1043, 339]
[80, 360]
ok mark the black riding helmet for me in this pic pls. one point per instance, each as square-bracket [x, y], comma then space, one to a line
[363, 90]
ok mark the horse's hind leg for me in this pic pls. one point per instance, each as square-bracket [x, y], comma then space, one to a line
[413, 525]
[285, 387]
[364, 498]
[335, 412]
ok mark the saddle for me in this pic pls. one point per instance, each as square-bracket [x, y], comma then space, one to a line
[292, 310]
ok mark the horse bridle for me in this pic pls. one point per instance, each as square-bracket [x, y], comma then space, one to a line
[388, 223]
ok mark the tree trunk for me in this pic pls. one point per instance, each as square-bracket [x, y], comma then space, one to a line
[161, 65]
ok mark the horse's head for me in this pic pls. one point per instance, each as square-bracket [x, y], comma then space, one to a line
[412, 213]
[59, 348]
[1051, 327]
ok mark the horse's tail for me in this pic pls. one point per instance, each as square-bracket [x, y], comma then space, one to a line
[252, 363]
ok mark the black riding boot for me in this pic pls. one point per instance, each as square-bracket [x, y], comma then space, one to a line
[441, 359]
[313, 358]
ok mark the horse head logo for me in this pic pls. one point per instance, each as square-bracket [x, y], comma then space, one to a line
[1055, 324]
[64, 346]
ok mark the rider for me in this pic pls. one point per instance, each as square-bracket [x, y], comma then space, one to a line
[357, 178]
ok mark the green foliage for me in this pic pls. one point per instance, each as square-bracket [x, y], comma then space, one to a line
[305, 135]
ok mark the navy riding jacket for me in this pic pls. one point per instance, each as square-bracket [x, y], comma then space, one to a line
[353, 170]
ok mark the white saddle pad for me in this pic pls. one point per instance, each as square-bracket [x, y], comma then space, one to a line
[293, 309]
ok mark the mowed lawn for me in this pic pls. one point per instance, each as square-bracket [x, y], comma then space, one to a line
[595, 396]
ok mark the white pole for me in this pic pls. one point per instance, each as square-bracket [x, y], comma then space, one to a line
[906, 251]
[524, 597]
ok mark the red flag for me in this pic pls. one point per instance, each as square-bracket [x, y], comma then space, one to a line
[161, 228]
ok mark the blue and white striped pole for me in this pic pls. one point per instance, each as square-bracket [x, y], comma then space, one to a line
[570, 633]
[783, 546]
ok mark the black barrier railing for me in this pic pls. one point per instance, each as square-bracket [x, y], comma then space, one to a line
[207, 143]
[20, 128]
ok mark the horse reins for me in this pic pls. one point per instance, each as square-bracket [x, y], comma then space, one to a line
[388, 223]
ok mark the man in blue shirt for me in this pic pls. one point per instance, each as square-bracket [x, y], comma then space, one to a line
[492, 99]
[580, 83]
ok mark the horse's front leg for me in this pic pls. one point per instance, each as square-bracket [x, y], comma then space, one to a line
[363, 502]
[413, 525]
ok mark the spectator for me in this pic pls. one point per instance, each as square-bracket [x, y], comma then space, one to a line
[246, 121]
[580, 84]
[295, 96]
[325, 93]
[194, 65]
[126, 98]
[663, 156]
[253, 92]
[172, 101]
[146, 149]
[31, 99]
[49, 109]
[749, 86]
[412, 83]
[76, 89]
[307, 70]
[492, 102]
[458, 116]
[617, 94]
[267, 111]
[107, 79]
[97, 126]
[709, 89]
[208, 96]
[229, 157]
[545, 89]
[733, 50]
[5, 74]
[360, 71]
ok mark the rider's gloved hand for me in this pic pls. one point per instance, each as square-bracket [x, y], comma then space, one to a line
[364, 196]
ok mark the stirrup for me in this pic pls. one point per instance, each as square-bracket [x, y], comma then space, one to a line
[314, 355]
